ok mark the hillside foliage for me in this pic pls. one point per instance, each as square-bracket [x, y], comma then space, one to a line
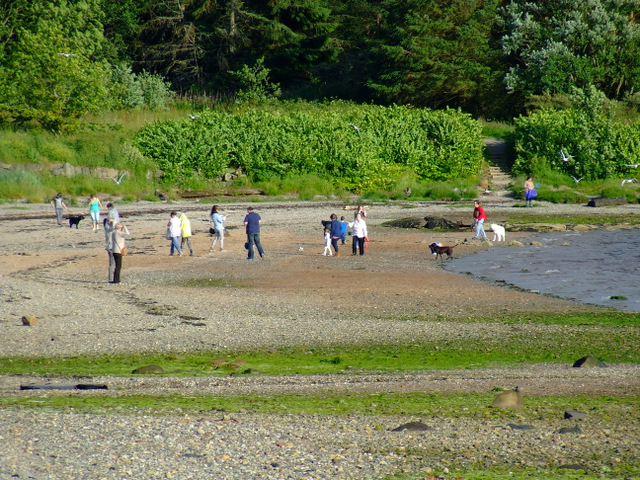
[63, 59]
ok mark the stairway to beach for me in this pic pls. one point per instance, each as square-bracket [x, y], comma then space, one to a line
[499, 171]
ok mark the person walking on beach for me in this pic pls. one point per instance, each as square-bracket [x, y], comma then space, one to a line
[252, 222]
[218, 227]
[118, 246]
[478, 220]
[175, 230]
[335, 230]
[108, 246]
[113, 217]
[94, 210]
[343, 233]
[185, 232]
[360, 210]
[529, 192]
[359, 233]
[58, 204]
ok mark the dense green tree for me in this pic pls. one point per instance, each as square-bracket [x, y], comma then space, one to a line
[121, 27]
[439, 53]
[556, 46]
[52, 69]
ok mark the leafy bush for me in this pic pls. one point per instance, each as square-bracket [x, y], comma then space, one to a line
[360, 147]
[599, 146]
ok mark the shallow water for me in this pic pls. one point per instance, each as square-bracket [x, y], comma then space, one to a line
[589, 267]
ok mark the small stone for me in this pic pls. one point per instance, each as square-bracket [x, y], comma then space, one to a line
[412, 427]
[574, 414]
[29, 321]
[520, 426]
[147, 369]
[575, 429]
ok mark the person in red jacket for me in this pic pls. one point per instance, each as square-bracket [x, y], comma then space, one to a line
[478, 220]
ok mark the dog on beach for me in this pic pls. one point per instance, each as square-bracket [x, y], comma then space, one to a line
[498, 233]
[439, 250]
[75, 220]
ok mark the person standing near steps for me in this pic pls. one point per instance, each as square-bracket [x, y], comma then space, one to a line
[252, 223]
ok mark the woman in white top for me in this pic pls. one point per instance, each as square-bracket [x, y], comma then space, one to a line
[359, 232]
[175, 229]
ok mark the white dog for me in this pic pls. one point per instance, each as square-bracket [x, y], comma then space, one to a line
[498, 233]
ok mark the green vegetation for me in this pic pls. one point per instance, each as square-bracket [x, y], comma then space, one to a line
[330, 403]
[359, 147]
[585, 219]
[613, 337]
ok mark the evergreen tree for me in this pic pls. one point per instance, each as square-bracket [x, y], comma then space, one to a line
[439, 53]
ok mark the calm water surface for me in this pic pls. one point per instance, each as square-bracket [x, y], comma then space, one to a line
[589, 267]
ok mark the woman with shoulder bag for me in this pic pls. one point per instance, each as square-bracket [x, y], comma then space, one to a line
[119, 249]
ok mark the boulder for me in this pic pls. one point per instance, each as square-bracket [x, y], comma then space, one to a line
[509, 399]
[588, 361]
[442, 224]
[407, 222]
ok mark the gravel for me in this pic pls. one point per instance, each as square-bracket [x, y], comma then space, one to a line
[294, 297]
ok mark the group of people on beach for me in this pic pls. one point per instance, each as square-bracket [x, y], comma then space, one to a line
[179, 230]
[335, 232]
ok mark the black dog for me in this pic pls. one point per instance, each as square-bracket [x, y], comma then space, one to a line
[439, 250]
[75, 220]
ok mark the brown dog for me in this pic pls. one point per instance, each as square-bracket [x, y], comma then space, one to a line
[439, 250]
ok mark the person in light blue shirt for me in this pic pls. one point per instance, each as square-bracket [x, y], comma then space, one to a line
[218, 227]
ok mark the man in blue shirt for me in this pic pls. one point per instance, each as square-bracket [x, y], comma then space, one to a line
[252, 221]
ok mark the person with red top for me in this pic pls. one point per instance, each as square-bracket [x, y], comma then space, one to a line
[478, 220]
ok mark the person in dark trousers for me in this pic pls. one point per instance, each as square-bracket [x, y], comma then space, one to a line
[118, 244]
[252, 223]
[335, 232]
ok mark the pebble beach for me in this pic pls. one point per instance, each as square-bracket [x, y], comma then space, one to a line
[293, 297]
